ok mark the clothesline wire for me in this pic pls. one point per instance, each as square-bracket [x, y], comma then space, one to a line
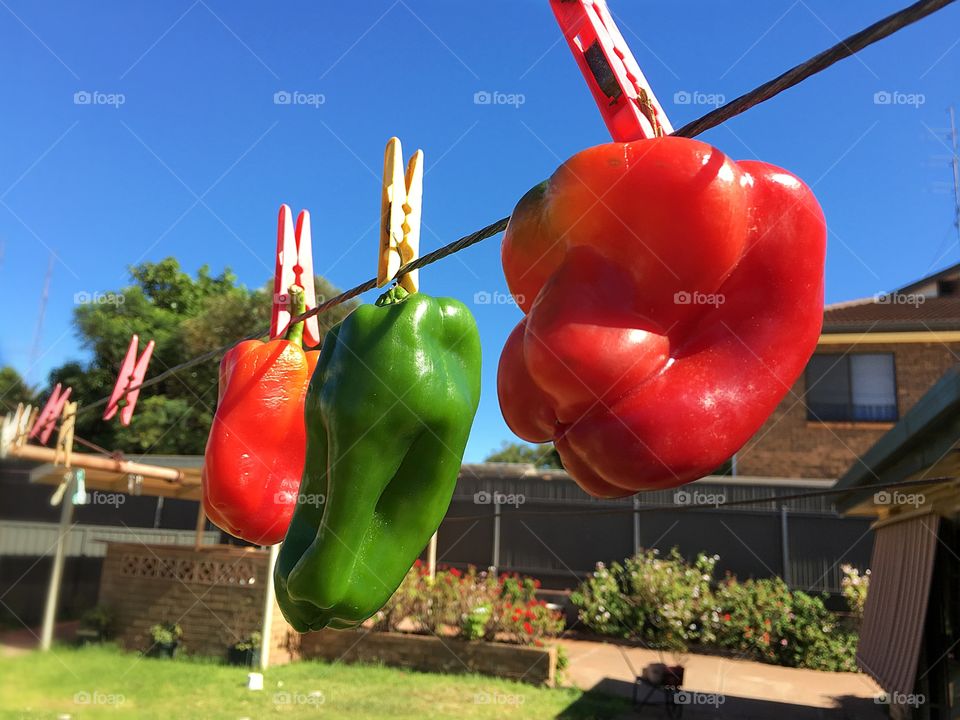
[843, 49]
[691, 506]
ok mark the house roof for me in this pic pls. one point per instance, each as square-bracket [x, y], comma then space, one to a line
[949, 273]
[930, 303]
[895, 312]
[924, 444]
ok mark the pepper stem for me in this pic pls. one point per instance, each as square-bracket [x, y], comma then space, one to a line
[392, 296]
[298, 306]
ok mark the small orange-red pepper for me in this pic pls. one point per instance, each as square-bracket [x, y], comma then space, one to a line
[255, 451]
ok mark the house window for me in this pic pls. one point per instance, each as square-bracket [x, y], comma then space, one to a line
[853, 388]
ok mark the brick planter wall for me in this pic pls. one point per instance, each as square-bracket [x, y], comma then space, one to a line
[215, 594]
[432, 654]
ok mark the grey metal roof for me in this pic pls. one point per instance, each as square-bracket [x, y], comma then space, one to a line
[923, 438]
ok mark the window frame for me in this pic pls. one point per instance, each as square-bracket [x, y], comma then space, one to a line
[846, 358]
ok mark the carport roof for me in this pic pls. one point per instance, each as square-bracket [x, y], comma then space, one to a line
[922, 445]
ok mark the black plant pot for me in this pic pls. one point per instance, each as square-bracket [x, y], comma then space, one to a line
[244, 658]
[163, 650]
[90, 636]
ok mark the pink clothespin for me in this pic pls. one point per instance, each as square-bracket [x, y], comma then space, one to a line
[626, 101]
[294, 267]
[47, 419]
[128, 382]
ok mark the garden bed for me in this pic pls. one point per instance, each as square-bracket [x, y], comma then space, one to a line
[430, 653]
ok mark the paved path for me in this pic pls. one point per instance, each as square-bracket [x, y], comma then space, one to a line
[722, 687]
[17, 642]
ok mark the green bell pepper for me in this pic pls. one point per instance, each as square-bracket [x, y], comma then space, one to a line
[388, 412]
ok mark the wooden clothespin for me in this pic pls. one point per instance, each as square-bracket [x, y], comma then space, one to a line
[65, 434]
[400, 211]
[79, 497]
[127, 388]
[15, 427]
[27, 421]
[8, 430]
[623, 95]
[294, 268]
[47, 419]
[134, 484]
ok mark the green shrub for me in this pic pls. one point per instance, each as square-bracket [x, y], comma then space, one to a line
[854, 587]
[99, 619]
[664, 602]
[671, 604]
[475, 621]
[166, 633]
[770, 622]
[249, 643]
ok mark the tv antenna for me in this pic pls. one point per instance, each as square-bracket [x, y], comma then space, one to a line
[37, 333]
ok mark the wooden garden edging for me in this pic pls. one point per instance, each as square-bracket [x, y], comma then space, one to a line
[430, 653]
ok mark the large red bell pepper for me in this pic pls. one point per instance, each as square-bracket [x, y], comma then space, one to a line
[672, 298]
[254, 456]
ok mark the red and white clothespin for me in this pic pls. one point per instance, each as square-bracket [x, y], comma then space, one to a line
[294, 267]
[625, 98]
[47, 419]
[127, 390]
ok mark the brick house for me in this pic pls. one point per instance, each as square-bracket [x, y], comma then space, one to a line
[876, 358]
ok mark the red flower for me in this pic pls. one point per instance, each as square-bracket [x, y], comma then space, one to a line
[538, 643]
[766, 638]
[455, 572]
[726, 617]
[417, 562]
[532, 603]
[528, 628]
[536, 583]
[531, 615]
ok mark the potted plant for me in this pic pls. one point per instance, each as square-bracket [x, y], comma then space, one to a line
[96, 625]
[166, 637]
[244, 652]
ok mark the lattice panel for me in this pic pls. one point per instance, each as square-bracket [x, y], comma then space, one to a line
[200, 571]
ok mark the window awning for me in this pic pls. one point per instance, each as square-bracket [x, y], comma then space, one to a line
[900, 573]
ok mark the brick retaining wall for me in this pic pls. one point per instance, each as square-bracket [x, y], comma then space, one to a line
[215, 594]
[433, 654]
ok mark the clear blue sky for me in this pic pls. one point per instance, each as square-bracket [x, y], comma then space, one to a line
[197, 159]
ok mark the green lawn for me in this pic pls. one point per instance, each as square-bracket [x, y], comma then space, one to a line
[96, 682]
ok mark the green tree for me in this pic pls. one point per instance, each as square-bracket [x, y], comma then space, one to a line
[541, 456]
[185, 316]
[13, 390]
